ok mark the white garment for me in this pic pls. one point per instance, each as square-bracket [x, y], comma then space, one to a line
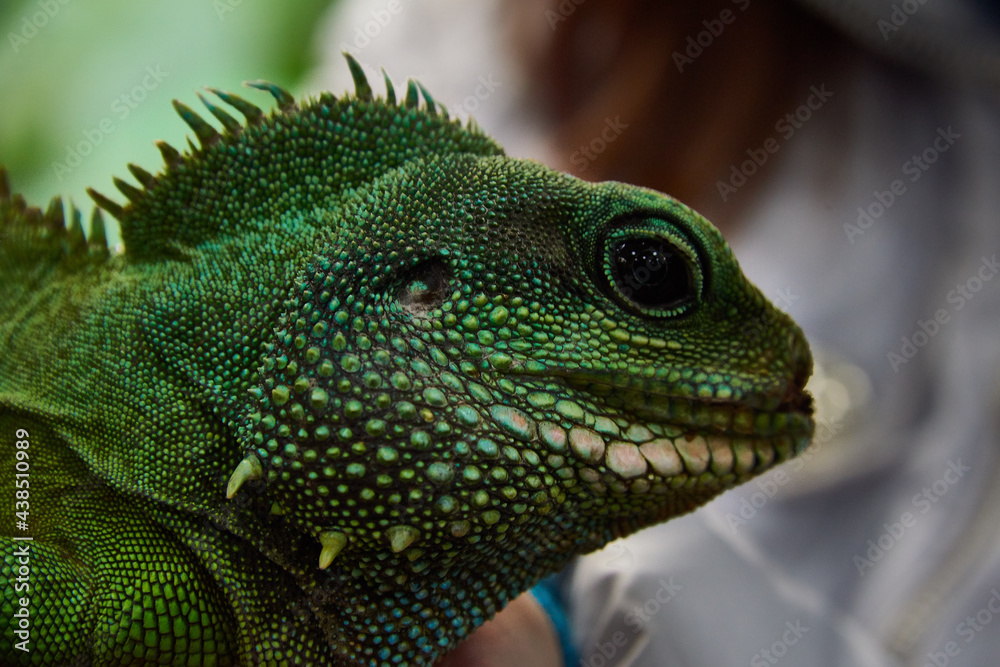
[784, 563]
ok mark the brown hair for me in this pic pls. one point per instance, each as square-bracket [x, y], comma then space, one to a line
[696, 83]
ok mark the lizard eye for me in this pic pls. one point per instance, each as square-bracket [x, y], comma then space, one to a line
[654, 273]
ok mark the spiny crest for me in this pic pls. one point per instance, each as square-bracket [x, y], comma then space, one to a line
[36, 243]
[44, 236]
[299, 157]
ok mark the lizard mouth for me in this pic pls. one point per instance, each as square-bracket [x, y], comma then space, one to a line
[661, 442]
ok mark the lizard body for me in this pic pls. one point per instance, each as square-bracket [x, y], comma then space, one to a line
[356, 381]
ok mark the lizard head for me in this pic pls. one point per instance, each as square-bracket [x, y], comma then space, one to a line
[474, 368]
[492, 367]
[447, 372]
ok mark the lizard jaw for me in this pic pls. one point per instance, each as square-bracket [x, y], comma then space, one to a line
[676, 441]
[659, 456]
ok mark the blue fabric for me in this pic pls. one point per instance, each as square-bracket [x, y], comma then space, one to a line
[548, 594]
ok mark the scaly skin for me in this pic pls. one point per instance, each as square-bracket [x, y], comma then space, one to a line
[357, 380]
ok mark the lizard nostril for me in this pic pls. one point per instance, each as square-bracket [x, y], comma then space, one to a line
[801, 359]
[797, 399]
[800, 367]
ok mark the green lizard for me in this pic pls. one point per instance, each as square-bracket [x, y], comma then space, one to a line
[356, 381]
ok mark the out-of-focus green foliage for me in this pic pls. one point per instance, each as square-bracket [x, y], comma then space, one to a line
[97, 77]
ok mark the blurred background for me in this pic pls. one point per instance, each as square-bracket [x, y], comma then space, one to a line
[88, 85]
[848, 149]
[97, 78]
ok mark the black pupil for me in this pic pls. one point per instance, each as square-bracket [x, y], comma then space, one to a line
[651, 273]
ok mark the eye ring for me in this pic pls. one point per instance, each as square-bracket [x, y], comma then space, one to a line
[651, 270]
